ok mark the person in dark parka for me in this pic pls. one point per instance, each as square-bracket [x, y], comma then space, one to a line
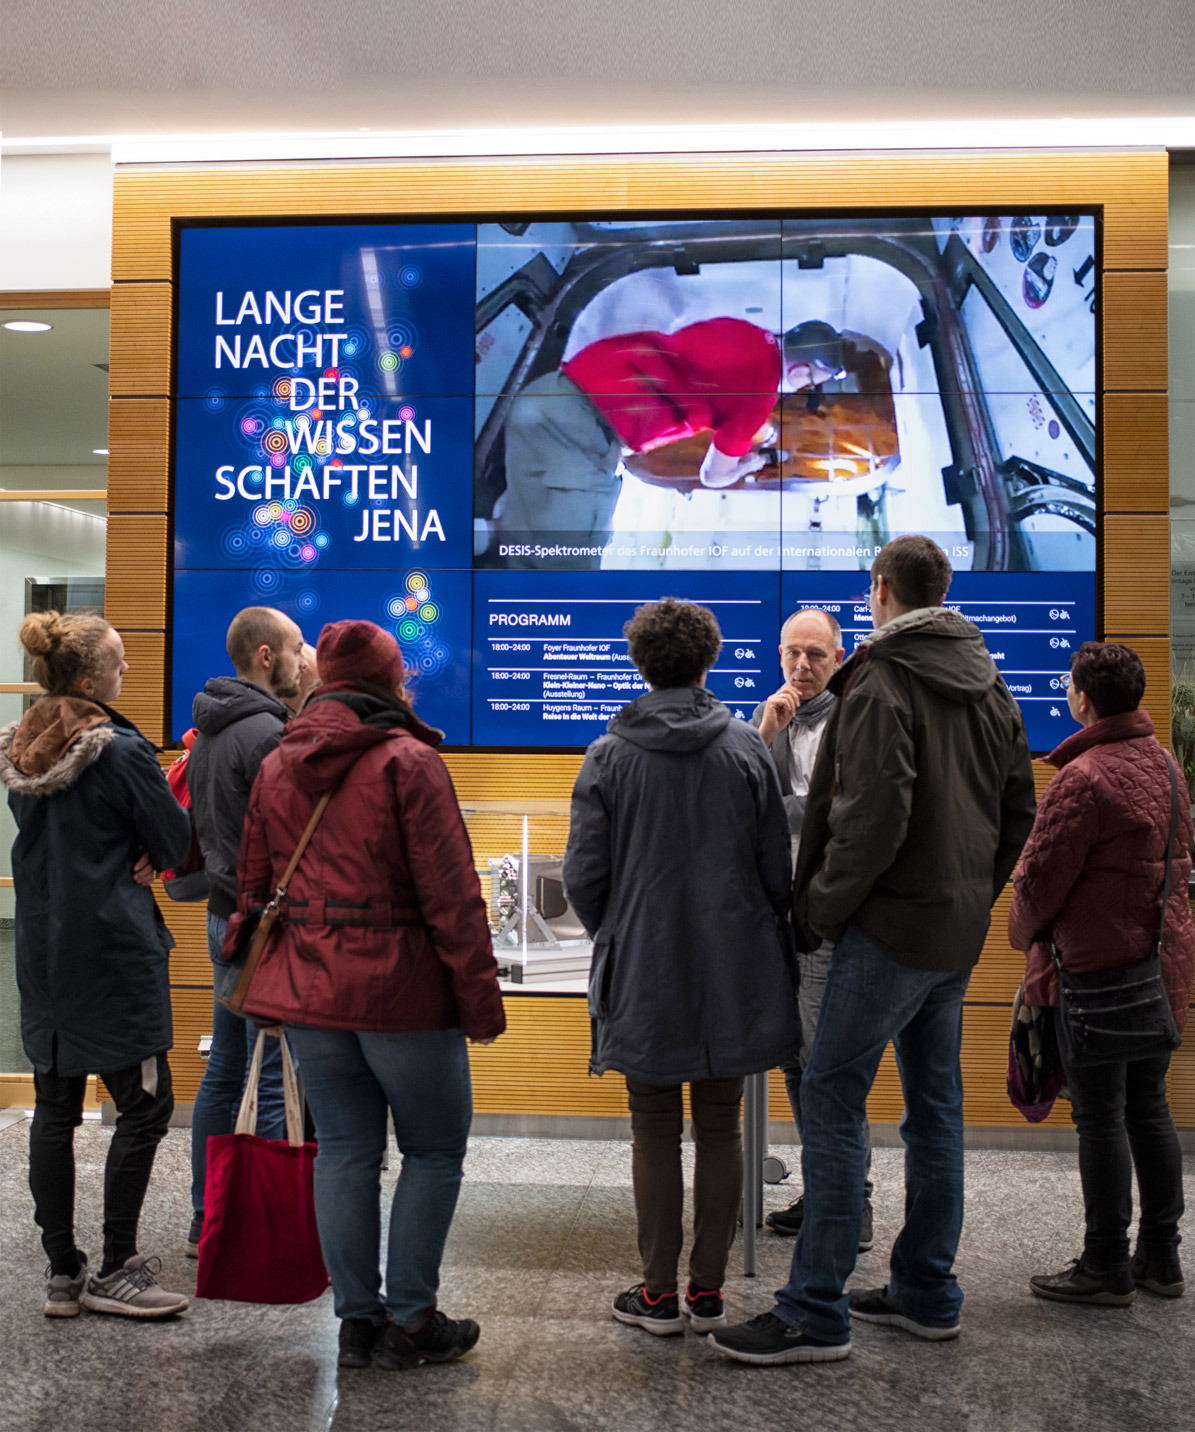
[96, 818]
[679, 865]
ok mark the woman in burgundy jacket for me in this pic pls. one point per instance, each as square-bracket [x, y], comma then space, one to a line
[380, 967]
[1092, 874]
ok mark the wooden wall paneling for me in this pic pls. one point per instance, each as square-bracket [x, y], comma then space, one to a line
[54, 297]
[1133, 307]
[1136, 452]
[541, 1064]
[1132, 188]
[512, 776]
[192, 1019]
[1137, 573]
[135, 595]
[1154, 652]
[1181, 1082]
[139, 454]
[140, 339]
[144, 682]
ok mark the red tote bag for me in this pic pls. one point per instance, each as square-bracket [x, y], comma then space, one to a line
[260, 1243]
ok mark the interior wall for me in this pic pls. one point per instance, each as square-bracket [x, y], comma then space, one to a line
[55, 221]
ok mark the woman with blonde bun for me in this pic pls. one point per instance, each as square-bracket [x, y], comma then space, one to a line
[95, 819]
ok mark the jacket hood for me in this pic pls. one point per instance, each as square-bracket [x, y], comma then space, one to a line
[337, 725]
[678, 718]
[50, 748]
[227, 699]
[942, 649]
[1128, 726]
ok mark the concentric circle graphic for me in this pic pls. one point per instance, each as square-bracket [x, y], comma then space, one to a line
[275, 510]
[422, 595]
[262, 515]
[408, 630]
[234, 542]
[410, 275]
[277, 459]
[402, 335]
[355, 342]
[307, 552]
[415, 581]
[389, 362]
[281, 537]
[282, 387]
[215, 399]
[274, 441]
[307, 602]
[321, 540]
[266, 579]
[407, 413]
[302, 521]
[429, 612]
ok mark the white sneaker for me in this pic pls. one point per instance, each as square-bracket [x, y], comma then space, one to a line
[133, 1292]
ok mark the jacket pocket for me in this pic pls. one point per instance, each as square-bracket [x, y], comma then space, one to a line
[601, 970]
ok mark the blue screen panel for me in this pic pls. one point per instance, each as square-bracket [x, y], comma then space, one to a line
[552, 667]
[428, 612]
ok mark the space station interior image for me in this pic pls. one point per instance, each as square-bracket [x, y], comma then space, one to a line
[954, 392]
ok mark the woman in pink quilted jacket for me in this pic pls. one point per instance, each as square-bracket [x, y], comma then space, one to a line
[1091, 877]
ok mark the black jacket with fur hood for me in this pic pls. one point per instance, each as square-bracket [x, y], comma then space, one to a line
[92, 950]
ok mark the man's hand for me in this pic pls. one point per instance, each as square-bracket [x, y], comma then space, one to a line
[493, 1039]
[143, 871]
[778, 712]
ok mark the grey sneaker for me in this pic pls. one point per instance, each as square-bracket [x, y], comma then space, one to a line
[873, 1305]
[866, 1228]
[62, 1291]
[194, 1234]
[133, 1292]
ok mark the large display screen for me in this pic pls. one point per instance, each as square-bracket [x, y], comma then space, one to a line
[498, 439]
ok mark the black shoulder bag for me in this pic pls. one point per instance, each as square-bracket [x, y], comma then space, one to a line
[1121, 1014]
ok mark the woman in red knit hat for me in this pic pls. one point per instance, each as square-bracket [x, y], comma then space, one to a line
[381, 967]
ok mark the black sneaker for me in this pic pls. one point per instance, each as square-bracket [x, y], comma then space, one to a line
[768, 1339]
[436, 1339]
[787, 1222]
[1077, 1284]
[866, 1228]
[873, 1305]
[703, 1308]
[657, 1315]
[194, 1234]
[1161, 1273]
[358, 1338]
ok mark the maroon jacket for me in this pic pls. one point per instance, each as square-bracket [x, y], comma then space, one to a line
[1094, 864]
[384, 927]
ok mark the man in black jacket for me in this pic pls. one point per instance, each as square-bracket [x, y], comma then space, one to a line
[240, 720]
[920, 802]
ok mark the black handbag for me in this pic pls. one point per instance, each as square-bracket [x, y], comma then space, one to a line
[1114, 1015]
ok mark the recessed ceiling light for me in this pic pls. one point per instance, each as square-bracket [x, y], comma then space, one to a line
[100, 452]
[28, 326]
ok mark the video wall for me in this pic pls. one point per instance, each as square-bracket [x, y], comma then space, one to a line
[498, 439]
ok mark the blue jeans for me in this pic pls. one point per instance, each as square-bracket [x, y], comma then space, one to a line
[219, 1096]
[869, 1000]
[352, 1080]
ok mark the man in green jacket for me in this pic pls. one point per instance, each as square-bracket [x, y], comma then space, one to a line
[919, 804]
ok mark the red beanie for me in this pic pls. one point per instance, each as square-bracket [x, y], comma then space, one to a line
[359, 651]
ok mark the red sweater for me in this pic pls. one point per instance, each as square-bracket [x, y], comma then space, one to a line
[1093, 867]
[384, 926]
[719, 376]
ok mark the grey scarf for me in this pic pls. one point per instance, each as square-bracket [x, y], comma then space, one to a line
[817, 708]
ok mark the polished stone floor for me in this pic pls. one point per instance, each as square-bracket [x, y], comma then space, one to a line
[543, 1238]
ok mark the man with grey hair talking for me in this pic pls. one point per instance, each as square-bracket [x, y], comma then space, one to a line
[791, 722]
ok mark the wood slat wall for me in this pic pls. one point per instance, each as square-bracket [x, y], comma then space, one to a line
[539, 1067]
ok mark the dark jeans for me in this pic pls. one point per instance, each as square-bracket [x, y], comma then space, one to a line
[144, 1101]
[869, 1000]
[657, 1121]
[815, 968]
[1123, 1119]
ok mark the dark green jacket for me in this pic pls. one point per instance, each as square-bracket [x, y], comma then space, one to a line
[921, 798]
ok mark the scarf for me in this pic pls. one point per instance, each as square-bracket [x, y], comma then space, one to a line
[817, 708]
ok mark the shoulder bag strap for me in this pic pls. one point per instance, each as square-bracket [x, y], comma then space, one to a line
[236, 1000]
[1169, 849]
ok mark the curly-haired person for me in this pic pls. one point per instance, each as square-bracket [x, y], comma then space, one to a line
[679, 865]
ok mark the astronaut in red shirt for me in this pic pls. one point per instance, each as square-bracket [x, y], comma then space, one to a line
[567, 431]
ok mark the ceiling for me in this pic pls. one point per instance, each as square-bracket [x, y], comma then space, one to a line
[144, 67]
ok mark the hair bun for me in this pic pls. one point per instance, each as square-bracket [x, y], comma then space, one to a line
[41, 633]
